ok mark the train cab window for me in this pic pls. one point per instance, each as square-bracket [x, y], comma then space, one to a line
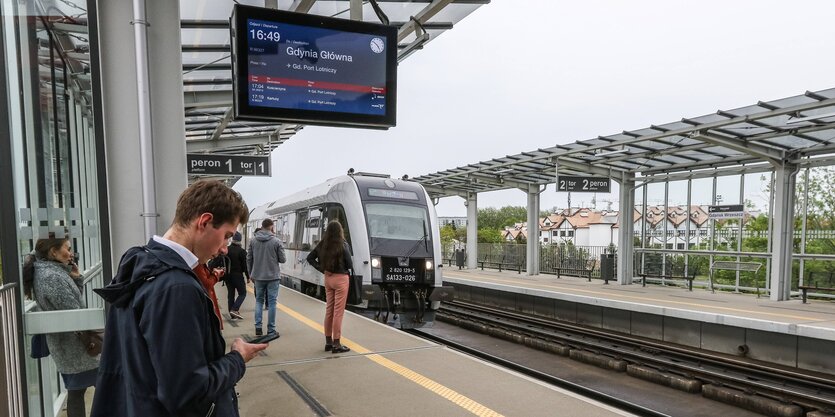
[397, 221]
[336, 212]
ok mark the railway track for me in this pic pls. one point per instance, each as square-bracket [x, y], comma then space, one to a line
[763, 388]
[542, 376]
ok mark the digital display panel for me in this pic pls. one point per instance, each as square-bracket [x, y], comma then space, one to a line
[310, 69]
[403, 195]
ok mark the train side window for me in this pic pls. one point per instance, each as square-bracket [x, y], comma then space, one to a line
[312, 233]
[336, 212]
[298, 232]
[282, 231]
[287, 229]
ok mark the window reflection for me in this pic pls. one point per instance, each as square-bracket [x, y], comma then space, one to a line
[55, 177]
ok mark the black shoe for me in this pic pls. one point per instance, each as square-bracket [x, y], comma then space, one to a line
[328, 348]
[275, 332]
[340, 349]
[258, 331]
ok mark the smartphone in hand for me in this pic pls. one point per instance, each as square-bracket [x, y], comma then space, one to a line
[267, 338]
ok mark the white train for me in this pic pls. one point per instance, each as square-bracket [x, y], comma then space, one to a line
[392, 229]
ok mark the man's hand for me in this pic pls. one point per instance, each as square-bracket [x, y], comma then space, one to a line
[248, 350]
[220, 272]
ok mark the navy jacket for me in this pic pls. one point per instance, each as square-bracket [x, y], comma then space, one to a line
[163, 352]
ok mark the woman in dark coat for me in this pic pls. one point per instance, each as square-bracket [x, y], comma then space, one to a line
[332, 257]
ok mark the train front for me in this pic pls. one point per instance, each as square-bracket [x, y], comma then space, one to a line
[406, 286]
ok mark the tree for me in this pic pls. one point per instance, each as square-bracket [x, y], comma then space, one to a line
[489, 236]
[492, 218]
[447, 234]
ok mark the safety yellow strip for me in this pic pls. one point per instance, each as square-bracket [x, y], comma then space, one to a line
[470, 276]
[458, 399]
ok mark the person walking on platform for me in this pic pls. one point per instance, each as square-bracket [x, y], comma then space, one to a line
[262, 260]
[332, 257]
[235, 265]
[163, 352]
[51, 276]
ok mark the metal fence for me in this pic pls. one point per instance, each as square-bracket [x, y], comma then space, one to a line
[11, 388]
[513, 256]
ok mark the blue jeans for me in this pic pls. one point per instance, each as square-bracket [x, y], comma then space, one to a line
[270, 290]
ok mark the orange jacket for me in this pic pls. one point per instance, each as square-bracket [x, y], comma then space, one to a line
[209, 279]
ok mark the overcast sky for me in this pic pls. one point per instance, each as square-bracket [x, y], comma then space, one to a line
[519, 75]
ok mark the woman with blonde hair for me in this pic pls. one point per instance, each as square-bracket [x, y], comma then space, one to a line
[332, 257]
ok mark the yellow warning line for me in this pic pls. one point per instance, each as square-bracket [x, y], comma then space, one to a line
[470, 277]
[458, 399]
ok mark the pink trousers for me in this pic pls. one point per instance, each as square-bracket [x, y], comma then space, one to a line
[336, 294]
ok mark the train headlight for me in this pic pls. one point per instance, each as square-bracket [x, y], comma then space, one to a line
[376, 268]
[428, 265]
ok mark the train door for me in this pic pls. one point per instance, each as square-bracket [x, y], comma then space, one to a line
[335, 212]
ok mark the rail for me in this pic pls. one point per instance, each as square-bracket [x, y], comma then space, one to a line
[752, 267]
[11, 388]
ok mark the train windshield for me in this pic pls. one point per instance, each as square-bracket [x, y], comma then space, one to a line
[397, 221]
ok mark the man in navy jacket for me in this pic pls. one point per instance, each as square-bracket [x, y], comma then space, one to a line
[163, 352]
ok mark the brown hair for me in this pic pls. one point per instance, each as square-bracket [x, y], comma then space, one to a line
[267, 223]
[331, 247]
[210, 196]
[42, 249]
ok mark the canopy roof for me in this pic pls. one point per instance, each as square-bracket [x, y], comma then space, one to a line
[795, 130]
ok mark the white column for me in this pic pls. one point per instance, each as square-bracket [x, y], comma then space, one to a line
[782, 230]
[121, 121]
[626, 226]
[472, 230]
[533, 230]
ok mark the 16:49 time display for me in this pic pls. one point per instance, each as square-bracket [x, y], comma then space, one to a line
[261, 35]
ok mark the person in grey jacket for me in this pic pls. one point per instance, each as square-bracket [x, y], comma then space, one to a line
[262, 260]
[52, 278]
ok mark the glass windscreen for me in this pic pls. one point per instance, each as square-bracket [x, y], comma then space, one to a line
[397, 221]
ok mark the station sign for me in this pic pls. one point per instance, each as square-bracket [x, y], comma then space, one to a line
[583, 184]
[729, 211]
[238, 165]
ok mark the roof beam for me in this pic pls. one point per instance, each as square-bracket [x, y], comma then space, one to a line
[222, 125]
[302, 6]
[589, 168]
[770, 155]
[203, 145]
[423, 16]
[204, 99]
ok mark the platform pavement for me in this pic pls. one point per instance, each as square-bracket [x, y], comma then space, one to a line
[387, 372]
[815, 319]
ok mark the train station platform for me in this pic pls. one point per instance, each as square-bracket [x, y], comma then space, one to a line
[387, 372]
[789, 333]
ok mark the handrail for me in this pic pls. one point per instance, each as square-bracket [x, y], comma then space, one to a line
[11, 356]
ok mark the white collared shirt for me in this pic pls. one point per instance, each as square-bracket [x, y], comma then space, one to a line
[190, 259]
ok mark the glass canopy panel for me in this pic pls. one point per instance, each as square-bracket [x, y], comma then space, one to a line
[747, 110]
[792, 142]
[708, 118]
[792, 101]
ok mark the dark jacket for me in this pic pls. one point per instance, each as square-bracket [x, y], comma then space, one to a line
[235, 262]
[163, 351]
[347, 263]
[264, 255]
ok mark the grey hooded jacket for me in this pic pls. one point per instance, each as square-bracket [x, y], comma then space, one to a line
[264, 256]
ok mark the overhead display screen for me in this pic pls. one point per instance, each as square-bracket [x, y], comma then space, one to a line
[310, 69]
